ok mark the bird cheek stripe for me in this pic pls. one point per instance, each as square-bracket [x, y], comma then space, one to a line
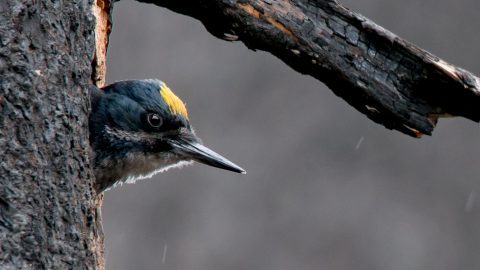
[173, 102]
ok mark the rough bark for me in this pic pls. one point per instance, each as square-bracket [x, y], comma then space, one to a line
[388, 79]
[48, 208]
[50, 53]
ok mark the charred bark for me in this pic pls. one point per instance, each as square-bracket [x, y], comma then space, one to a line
[48, 208]
[51, 52]
[388, 79]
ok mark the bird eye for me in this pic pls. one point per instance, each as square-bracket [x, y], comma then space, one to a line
[154, 120]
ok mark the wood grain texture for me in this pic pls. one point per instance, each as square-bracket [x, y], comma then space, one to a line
[390, 80]
[102, 10]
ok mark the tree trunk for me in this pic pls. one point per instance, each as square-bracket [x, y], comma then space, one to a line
[383, 76]
[51, 52]
[49, 215]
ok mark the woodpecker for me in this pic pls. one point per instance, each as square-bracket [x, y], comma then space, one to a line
[139, 128]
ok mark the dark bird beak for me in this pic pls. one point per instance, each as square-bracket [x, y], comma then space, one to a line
[190, 147]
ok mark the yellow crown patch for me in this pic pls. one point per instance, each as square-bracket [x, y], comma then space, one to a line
[174, 103]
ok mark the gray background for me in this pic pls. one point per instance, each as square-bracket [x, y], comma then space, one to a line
[314, 197]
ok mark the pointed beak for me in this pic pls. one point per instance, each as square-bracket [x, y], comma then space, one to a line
[191, 148]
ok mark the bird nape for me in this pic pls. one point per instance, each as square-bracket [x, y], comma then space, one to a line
[139, 128]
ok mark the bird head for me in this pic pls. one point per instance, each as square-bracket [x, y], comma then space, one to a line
[139, 128]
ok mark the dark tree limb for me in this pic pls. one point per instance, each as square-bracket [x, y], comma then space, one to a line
[50, 55]
[383, 76]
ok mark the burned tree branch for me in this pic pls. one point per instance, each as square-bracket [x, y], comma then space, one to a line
[388, 79]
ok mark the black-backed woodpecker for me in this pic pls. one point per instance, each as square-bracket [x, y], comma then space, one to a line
[139, 128]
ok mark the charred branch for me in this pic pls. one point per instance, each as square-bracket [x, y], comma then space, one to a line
[388, 79]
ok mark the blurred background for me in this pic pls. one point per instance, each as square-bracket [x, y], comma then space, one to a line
[326, 188]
